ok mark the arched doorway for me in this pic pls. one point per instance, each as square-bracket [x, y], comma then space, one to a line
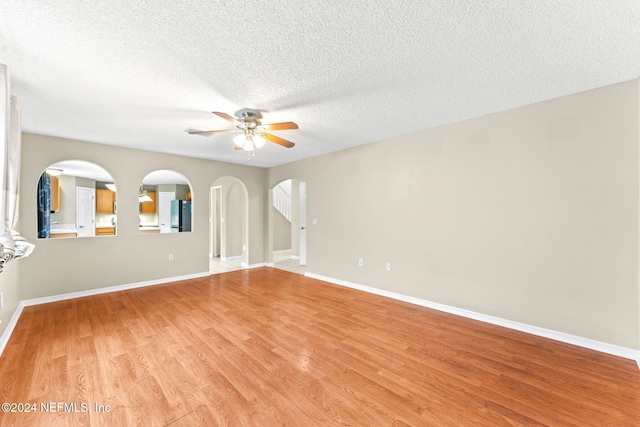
[228, 225]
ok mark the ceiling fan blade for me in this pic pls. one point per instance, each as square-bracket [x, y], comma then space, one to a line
[210, 132]
[280, 126]
[226, 117]
[277, 140]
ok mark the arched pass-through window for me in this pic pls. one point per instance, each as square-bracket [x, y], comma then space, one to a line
[76, 199]
[166, 203]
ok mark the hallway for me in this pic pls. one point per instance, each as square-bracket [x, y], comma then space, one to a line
[282, 260]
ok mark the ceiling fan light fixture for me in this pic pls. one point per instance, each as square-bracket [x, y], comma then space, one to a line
[240, 140]
[248, 144]
[258, 141]
[254, 134]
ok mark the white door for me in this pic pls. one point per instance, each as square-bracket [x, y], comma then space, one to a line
[86, 211]
[303, 223]
[164, 210]
[214, 220]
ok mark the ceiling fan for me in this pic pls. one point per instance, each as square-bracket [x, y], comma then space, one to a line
[253, 131]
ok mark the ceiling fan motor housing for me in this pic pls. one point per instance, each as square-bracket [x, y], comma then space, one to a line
[249, 120]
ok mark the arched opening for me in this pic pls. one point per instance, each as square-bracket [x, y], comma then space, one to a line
[76, 199]
[165, 203]
[229, 225]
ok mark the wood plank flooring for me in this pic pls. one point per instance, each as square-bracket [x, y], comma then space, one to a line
[266, 347]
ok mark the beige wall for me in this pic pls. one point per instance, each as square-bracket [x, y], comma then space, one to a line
[529, 214]
[233, 218]
[67, 265]
[281, 231]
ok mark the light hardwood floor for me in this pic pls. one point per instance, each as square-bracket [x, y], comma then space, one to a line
[266, 347]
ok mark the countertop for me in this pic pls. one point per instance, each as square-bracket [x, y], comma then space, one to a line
[63, 228]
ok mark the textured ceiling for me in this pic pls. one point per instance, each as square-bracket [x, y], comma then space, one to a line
[140, 73]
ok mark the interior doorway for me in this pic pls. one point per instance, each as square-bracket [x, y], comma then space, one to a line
[288, 226]
[228, 225]
[86, 211]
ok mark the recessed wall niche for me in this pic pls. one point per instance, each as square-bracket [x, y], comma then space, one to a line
[76, 198]
[165, 203]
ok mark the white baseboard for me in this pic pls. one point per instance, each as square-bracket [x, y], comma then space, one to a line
[269, 264]
[71, 295]
[4, 339]
[261, 264]
[624, 352]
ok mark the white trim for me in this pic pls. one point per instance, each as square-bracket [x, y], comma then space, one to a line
[627, 353]
[269, 264]
[4, 339]
[98, 291]
[295, 257]
[260, 264]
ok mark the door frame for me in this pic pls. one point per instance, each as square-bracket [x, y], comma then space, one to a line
[214, 221]
[302, 222]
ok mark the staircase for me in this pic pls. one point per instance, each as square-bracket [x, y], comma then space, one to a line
[282, 198]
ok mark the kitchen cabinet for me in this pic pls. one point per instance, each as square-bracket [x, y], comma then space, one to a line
[54, 190]
[62, 235]
[104, 200]
[149, 207]
[105, 231]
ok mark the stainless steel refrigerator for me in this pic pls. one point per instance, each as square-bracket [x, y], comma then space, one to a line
[181, 215]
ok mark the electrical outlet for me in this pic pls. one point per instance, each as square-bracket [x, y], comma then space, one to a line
[314, 221]
[360, 262]
[170, 257]
[388, 266]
